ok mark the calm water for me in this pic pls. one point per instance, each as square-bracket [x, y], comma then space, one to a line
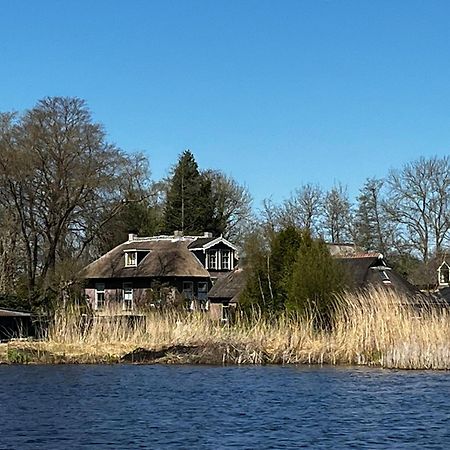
[69, 407]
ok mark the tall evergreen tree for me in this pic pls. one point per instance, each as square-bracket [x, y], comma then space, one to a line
[294, 272]
[189, 203]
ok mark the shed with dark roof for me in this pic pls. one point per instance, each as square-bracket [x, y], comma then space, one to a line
[225, 294]
[14, 324]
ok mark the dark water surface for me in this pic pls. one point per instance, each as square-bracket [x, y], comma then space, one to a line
[201, 407]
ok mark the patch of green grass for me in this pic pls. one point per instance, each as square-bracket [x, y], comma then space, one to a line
[18, 356]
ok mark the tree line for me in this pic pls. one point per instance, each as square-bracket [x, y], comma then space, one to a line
[67, 196]
[405, 216]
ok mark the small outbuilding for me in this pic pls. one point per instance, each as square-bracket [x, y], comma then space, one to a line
[224, 295]
[14, 324]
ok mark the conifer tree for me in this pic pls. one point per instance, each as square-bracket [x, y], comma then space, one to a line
[315, 280]
[189, 204]
[270, 269]
[295, 273]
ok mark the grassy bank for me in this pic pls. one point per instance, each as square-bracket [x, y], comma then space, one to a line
[372, 329]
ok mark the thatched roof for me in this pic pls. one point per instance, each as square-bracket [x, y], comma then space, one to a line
[200, 242]
[208, 242]
[228, 288]
[163, 257]
[443, 296]
[365, 270]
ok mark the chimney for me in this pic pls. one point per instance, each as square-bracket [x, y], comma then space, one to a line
[207, 234]
[132, 236]
[178, 233]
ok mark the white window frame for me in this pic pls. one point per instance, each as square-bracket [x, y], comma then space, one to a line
[209, 254]
[127, 296]
[385, 277]
[225, 316]
[189, 291]
[131, 259]
[444, 269]
[229, 261]
[100, 293]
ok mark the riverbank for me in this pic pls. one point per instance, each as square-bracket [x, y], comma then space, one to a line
[375, 329]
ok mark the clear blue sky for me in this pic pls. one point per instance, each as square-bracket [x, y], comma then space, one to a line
[274, 93]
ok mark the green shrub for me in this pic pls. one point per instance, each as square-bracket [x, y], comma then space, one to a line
[315, 280]
[18, 356]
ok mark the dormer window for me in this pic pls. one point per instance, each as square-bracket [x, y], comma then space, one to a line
[212, 260]
[221, 259]
[385, 277]
[214, 253]
[131, 259]
[226, 260]
[444, 274]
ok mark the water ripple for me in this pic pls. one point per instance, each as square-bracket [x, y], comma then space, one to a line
[201, 407]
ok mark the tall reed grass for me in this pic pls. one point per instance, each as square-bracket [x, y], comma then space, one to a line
[374, 328]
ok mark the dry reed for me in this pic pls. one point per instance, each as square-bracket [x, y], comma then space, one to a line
[375, 328]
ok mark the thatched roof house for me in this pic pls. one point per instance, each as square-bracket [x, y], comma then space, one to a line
[159, 269]
[367, 271]
[228, 288]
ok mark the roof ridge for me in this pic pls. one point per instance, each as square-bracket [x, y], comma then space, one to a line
[362, 255]
[162, 237]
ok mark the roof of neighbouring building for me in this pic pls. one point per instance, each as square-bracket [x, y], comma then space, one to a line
[366, 270]
[201, 242]
[229, 287]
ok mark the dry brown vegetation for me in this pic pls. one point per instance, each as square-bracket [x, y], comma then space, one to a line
[370, 329]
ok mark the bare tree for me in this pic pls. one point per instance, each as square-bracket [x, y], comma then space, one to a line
[269, 217]
[10, 251]
[337, 216]
[303, 209]
[232, 204]
[440, 202]
[62, 179]
[373, 228]
[419, 202]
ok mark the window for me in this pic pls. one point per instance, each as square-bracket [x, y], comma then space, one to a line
[385, 277]
[130, 259]
[202, 290]
[188, 291]
[127, 296]
[444, 274]
[99, 296]
[226, 260]
[225, 312]
[212, 260]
